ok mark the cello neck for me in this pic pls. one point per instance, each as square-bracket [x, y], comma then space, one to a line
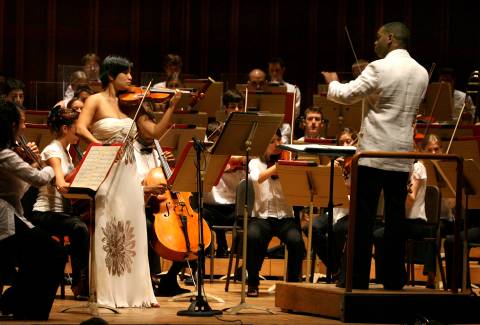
[163, 160]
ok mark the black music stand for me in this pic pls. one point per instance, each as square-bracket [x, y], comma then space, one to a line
[333, 152]
[199, 306]
[310, 190]
[241, 136]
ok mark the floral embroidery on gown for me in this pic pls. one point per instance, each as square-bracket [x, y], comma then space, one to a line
[121, 257]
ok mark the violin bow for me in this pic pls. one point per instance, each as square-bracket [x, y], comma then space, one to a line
[456, 126]
[138, 110]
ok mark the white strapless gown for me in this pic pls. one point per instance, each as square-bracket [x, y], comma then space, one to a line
[121, 256]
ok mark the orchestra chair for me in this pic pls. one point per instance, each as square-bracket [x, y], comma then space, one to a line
[432, 211]
[212, 245]
[237, 230]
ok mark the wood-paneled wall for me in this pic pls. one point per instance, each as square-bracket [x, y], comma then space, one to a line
[217, 37]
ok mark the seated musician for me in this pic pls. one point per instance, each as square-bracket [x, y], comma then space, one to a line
[219, 203]
[172, 66]
[271, 216]
[347, 137]
[458, 97]
[257, 82]
[15, 92]
[146, 158]
[276, 70]
[39, 259]
[416, 226]
[51, 211]
[433, 144]
[77, 79]
[313, 124]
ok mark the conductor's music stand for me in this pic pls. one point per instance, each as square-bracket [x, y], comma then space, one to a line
[246, 134]
[310, 190]
[333, 152]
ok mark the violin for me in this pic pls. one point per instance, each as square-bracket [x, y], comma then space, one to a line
[25, 152]
[134, 95]
[176, 224]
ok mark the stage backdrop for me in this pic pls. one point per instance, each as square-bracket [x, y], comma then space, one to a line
[223, 38]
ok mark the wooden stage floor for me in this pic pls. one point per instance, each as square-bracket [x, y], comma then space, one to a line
[167, 313]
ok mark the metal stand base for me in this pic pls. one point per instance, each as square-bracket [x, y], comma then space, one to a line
[189, 295]
[199, 308]
[91, 308]
[243, 305]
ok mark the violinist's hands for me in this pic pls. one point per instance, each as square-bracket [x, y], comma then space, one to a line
[33, 147]
[175, 99]
[62, 186]
[169, 157]
[330, 76]
[339, 162]
[35, 151]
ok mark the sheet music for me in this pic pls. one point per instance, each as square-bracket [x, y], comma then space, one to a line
[95, 167]
[320, 149]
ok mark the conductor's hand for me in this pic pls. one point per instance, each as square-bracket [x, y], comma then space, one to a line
[330, 76]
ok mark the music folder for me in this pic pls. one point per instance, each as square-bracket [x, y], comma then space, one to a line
[92, 170]
[320, 149]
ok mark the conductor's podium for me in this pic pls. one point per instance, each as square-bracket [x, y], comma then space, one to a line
[377, 305]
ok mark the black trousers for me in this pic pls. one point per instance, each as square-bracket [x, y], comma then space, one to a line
[56, 223]
[370, 183]
[320, 244]
[41, 262]
[259, 234]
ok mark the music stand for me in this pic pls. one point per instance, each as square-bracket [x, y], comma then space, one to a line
[333, 152]
[241, 136]
[187, 161]
[177, 137]
[310, 190]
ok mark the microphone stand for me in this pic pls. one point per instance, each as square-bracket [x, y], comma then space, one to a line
[199, 306]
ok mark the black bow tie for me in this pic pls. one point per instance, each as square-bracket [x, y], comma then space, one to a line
[146, 150]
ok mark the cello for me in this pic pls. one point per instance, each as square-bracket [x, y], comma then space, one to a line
[176, 224]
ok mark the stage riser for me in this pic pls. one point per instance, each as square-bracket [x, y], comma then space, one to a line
[377, 306]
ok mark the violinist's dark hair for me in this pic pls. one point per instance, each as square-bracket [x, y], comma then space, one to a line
[82, 89]
[232, 96]
[90, 57]
[9, 122]
[313, 109]
[13, 84]
[400, 31]
[60, 116]
[112, 66]
[172, 59]
[278, 60]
